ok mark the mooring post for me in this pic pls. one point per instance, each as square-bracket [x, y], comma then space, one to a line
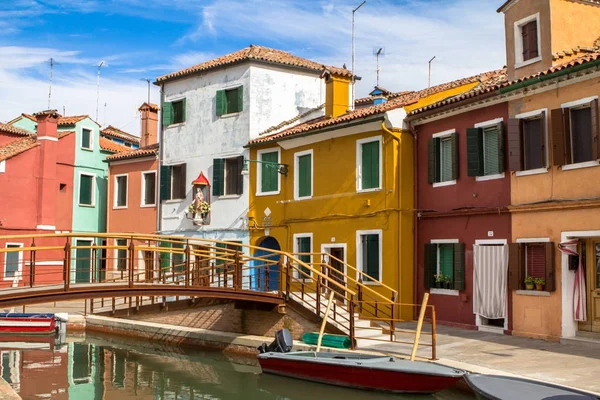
[433, 335]
[351, 327]
[188, 255]
[67, 265]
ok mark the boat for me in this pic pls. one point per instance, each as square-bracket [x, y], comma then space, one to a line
[27, 323]
[362, 371]
[496, 387]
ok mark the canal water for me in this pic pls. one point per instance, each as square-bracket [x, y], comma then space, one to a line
[99, 367]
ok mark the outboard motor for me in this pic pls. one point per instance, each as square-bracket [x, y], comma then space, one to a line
[282, 344]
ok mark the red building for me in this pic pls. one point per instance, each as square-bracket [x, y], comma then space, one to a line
[463, 190]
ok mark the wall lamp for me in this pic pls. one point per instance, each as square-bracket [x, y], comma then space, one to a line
[281, 168]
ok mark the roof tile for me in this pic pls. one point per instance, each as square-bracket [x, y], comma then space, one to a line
[17, 147]
[256, 53]
[6, 128]
[149, 150]
[109, 145]
[117, 133]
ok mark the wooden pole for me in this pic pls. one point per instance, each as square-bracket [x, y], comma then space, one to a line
[419, 326]
[331, 292]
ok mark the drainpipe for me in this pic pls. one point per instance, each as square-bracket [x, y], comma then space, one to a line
[160, 160]
[398, 138]
[415, 217]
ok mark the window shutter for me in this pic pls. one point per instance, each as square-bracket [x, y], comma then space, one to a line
[165, 257]
[221, 103]
[532, 38]
[429, 265]
[240, 177]
[183, 109]
[535, 257]
[550, 276]
[167, 113]
[515, 132]
[370, 165]
[304, 247]
[432, 160]
[240, 94]
[459, 266]
[268, 172]
[165, 182]
[474, 152]
[515, 266]
[372, 256]
[454, 141]
[85, 190]
[525, 41]
[182, 182]
[558, 134]
[500, 137]
[218, 177]
[304, 183]
[595, 133]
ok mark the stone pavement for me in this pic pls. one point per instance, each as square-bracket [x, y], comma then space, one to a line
[575, 365]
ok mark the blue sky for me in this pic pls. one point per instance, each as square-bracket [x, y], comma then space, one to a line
[147, 38]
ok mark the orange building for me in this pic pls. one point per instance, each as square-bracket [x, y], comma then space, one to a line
[132, 187]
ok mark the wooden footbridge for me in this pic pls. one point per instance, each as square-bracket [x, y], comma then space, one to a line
[136, 270]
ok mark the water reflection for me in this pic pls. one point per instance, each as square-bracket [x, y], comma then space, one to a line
[102, 367]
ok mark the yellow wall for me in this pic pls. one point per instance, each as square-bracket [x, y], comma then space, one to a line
[337, 211]
[573, 24]
[434, 98]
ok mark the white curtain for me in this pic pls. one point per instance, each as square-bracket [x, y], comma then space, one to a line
[490, 271]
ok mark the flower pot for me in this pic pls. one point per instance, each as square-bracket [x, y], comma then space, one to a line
[539, 287]
[529, 286]
[439, 285]
[198, 220]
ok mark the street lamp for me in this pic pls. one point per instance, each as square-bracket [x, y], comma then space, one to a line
[281, 168]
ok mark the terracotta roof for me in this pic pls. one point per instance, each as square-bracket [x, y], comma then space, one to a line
[23, 115]
[591, 2]
[255, 53]
[152, 106]
[116, 132]
[71, 120]
[62, 134]
[323, 122]
[17, 147]
[388, 95]
[14, 130]
[149, 150]
[109, 145]
[460, 82]
[291, 121]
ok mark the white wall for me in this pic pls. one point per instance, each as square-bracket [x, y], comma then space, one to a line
[271, 95]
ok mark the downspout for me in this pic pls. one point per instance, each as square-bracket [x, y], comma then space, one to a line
[415, 217]
[160, 161]
[398, 138]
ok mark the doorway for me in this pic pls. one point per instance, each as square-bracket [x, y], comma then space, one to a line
[263, 280]
[589, 250]
[83, 261]
[336, 269]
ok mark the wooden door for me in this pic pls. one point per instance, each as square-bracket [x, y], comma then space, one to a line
[83, 261]
[336, 271]
[594, 287]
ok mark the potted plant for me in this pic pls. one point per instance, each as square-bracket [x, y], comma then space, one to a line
[529, 285]
[439, 280]
[539, 283]
[447, 282]
[199, 209]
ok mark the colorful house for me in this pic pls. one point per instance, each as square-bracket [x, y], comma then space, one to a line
[209, 112]
[132, 187]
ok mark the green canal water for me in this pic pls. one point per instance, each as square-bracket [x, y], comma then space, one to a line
[98, 367]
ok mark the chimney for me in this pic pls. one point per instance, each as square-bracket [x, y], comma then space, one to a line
[47, 135]
[337, 94]
[379, 95]
[149, 124]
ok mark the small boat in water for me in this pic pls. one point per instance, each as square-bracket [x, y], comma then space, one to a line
[27, 323]
[495, 387]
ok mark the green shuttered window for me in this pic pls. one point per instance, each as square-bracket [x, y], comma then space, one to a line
[442, 158]
[269, 180]
[165, 182]
[229, 101]
[227, 176]
[86, 139]
[174, 112]
[173, 180]
[446, 262]
[303, 245]
[218, 187]
[371, 263]
[304, 175]
[86, 190]
[485, 150]
[369, 165]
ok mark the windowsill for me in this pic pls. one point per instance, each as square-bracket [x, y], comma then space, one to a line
[532, 172]
[173, 217]
[368, 190]
[86, 149]
[268, 193]
[540, 293]
[489, 177]
[174, 201]
[176, 125]
[446, 183]
[303, 280]
[119, 208]
[302, 198]
[372, 283]
[230, 115]
[528, 62]
[230, 196]
[580, 165]
[445, 292]
[87, 205]
[147, 205]
[12, 278]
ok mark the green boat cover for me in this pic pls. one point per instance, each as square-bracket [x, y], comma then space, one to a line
[335, 341]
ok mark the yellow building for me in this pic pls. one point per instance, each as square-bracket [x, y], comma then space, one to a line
[342, 185]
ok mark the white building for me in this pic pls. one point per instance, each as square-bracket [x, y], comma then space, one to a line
[210, 111]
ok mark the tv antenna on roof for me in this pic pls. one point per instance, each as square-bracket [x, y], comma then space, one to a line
[52, 64]
[378, 51]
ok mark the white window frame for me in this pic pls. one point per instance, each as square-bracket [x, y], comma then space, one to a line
[226, 195]
[534, 241]
[116, 191]
[259, 154]
[359, 254]
[2, 166]
[519, 62]
[19, 272]
[143, 187]
[14, 363]
[297, 174]
[446, 292]
[359, 144]
[443, 135]
[484, 125]
[93, 190]
[568, 106]
[295, 238]
[532, 115]
[91, 148]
